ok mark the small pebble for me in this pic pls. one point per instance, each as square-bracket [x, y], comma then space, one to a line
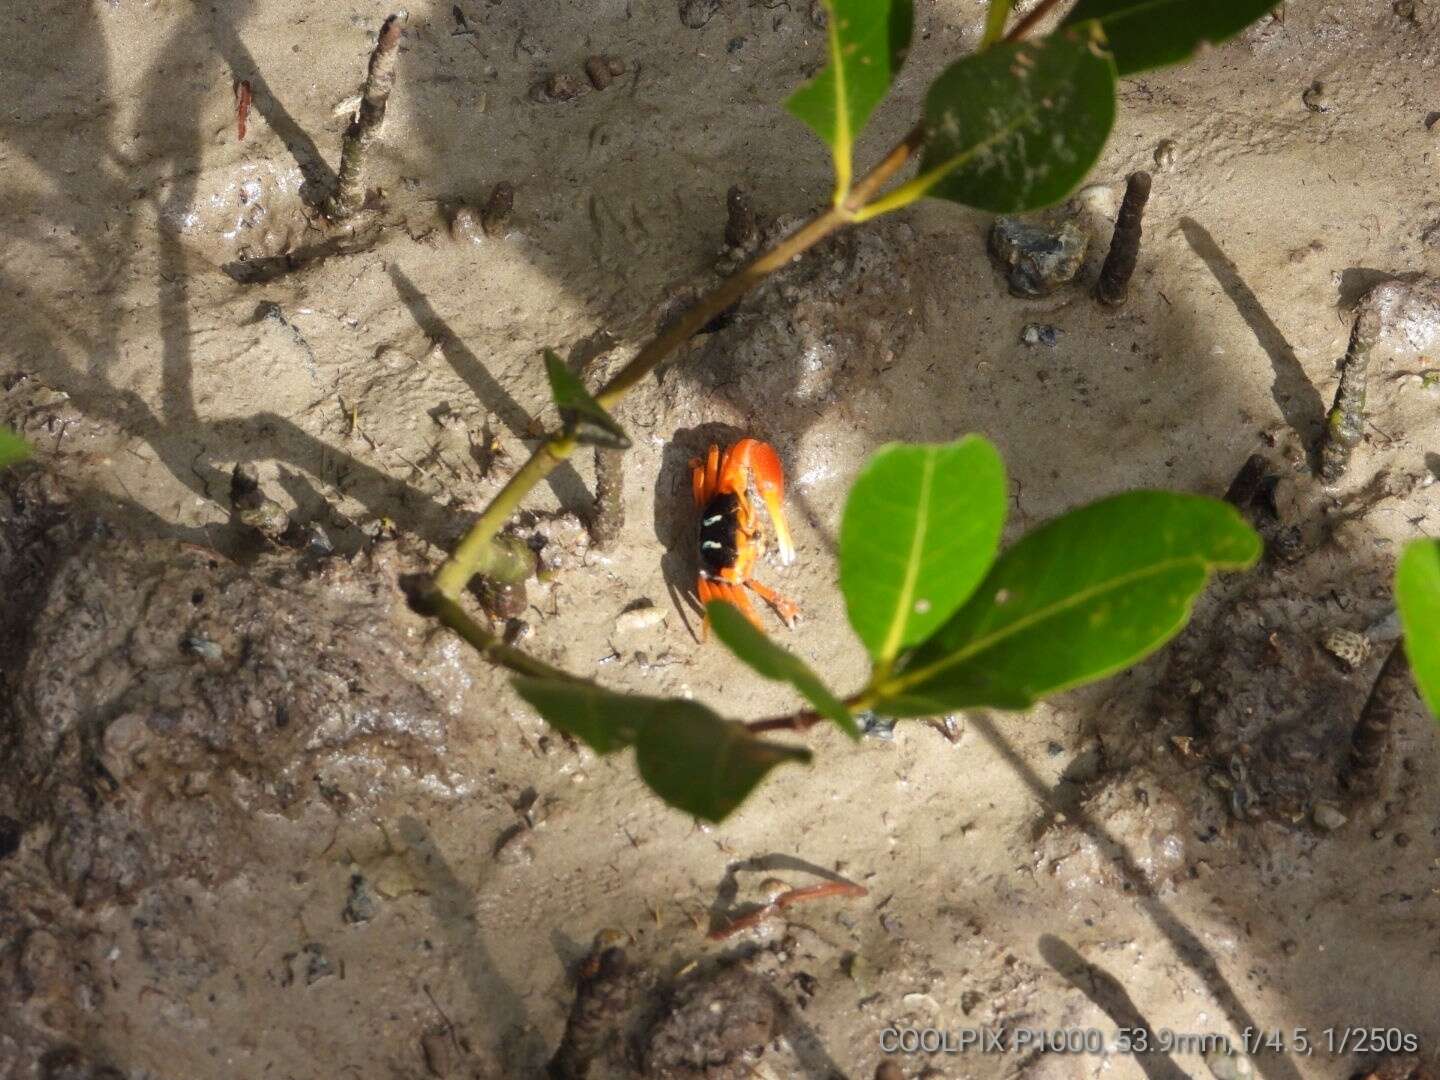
[696, 13]
[466, 226]
[361, 906]
[1347, 646]
[599, 71]
[1328, 817]
[1317, 98]
[1039, 258]
[1165, 153]
[560, 86]
[772, 889]
[1225, 1064]
[497, 208]
[1040, 334]
[202, 647]
[639, 619]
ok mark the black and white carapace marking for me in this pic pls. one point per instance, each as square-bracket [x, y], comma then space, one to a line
[719, 534]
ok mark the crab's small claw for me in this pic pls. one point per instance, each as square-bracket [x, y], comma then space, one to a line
[764, 467]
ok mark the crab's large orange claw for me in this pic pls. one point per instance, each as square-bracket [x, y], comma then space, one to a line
[763, 464]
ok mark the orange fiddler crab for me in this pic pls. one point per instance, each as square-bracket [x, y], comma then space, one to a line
[731, 535]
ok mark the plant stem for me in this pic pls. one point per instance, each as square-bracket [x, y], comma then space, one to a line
[349, 193]
[804, 721]
[1027, 23]
[470, 556]
[450, 613]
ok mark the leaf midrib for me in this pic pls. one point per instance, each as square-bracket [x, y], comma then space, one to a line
[981, 644]
[906, 596]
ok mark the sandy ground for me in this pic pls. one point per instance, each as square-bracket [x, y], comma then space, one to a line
[1070, 868]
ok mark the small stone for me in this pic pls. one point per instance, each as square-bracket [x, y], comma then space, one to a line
[318, 964]
[772, 889]
[1347, 646]
[696, 13]
[638, 619]
[203, 647]
[466, 226]
[561, 86]
[1039, 258]
[1328, 816]
[1225, 1064]
[1040, 334]
[361, 906]
[1165, 153]
[497, 208]
[1317, 98]
[876, 726]
[436, 1049]
[265, 516]
[597, 69]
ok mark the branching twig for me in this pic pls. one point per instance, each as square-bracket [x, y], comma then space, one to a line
[349, 193]
[469, 557]
[785, 900]
[1027, 23]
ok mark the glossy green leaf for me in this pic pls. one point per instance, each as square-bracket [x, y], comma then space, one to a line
[921, 526]
[582, 415]
[604, 721]
[704, 765]
[1015, 127]
[867, 41]
[690, 757]
[1075, 600]
[773, 662]
[1147, 34]
[1417, 594]
[995, 17]
[13, 449]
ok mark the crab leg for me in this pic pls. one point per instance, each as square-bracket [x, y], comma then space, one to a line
[787, 609]
[710, 589]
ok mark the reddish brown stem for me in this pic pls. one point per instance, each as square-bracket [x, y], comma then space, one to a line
[1027, 23]
[785, 900]
[243, 97]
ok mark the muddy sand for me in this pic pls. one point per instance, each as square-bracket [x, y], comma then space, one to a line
[258, 819]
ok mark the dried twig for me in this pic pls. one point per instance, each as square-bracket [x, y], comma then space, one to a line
[1346, 422]
[601, 999]
[349, 193]
[785, 900]
[243, 97]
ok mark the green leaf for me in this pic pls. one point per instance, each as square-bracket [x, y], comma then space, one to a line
[921, 526]
[1015, 127]
[690, 757]
[604, 721]
[1417, 594]
[1075, 600]
[13, 449]
[582, 414]
[1152, 33]
[774, 662]
[995, 22]
[704, 765]
[868, 40]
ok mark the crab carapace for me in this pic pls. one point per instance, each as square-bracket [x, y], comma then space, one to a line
[731, 533]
